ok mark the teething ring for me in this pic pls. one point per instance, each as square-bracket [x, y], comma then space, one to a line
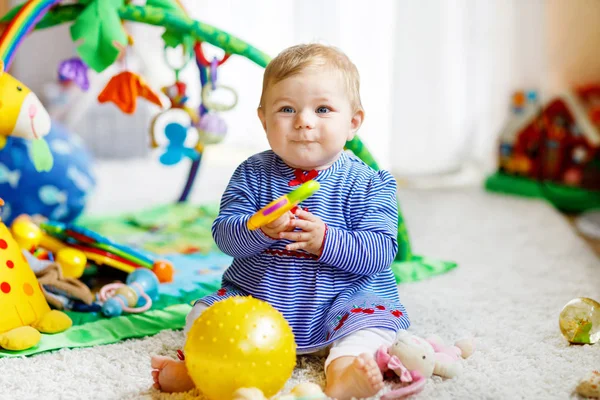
[187, 57]
[156, 122]
[207, 89]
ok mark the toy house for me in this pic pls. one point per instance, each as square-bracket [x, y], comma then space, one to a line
[552, 150]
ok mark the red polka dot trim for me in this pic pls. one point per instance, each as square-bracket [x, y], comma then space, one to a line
[3, 244]
[10, 264]
[5, 287]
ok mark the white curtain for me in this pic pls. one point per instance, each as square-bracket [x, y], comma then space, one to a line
[457, 63]
[436, 75]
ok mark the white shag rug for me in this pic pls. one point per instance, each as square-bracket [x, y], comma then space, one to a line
[519, 263]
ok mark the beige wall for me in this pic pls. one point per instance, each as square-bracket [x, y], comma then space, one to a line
[573, 32]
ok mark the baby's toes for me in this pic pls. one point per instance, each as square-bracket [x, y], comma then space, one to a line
[360, 364]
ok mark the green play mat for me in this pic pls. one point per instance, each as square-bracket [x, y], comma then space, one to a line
[181, 233]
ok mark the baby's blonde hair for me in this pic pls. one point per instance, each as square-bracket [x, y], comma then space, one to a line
[296, 59]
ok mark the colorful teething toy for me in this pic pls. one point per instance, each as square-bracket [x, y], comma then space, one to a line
[102, 250]
[285, 203]
[240, 342]
[136, 296]
[30, 237]
[74, 245]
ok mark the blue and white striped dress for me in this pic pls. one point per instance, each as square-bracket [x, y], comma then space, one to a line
[350, 286]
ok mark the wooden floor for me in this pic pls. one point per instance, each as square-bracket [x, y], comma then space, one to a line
[593, 243]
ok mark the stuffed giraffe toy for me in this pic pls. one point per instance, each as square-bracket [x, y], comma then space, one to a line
[24, 312]
[23, 115]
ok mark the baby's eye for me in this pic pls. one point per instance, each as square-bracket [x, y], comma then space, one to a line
[323, 110]
[19, 88]
[286, 109]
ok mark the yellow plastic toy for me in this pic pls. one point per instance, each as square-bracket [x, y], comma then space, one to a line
[72, 262]
[240, 342]
[280, 206]
[26, 233]
[30, 236]
[23, 115]
[24, 312]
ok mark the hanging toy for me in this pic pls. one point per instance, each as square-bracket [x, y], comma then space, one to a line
[175, 130]
[181, 119]
[74, 70]
[124, 88]
[176, 151]
[177, 94]
[212, 128]
[136, 296]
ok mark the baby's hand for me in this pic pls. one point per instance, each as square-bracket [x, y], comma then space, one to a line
[281, 224]
[312, 233]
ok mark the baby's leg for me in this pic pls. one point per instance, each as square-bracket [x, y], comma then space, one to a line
[351, 369]
[171, 375]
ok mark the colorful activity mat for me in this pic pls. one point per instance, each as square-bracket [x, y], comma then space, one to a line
[180, 233]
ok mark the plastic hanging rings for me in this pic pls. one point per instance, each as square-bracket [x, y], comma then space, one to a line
[201, 58]
[207, 90]
[187, 57]
[212, 85]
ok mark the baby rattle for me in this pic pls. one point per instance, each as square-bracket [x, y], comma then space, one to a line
[136, 296]
[285, 203]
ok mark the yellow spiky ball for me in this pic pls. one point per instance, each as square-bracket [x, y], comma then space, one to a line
[240, 342]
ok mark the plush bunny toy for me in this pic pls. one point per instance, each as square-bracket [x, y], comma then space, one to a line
[415, 359]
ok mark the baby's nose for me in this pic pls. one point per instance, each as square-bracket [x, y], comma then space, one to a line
[304, 121]
[304, 126]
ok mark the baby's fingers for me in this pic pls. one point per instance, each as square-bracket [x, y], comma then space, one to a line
[305, 215]
[280, 222]
[302, 224]
[297, 236]
[296, 246]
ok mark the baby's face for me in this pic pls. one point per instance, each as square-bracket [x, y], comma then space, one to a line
[308, 118]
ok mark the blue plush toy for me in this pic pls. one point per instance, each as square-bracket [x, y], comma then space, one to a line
[59, 194]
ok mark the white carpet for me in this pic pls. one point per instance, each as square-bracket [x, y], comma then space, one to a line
[519, 263]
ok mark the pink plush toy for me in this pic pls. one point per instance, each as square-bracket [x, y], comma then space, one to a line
[415, 359]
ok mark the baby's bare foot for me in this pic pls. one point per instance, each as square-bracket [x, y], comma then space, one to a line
[170, 375]
[361, 378]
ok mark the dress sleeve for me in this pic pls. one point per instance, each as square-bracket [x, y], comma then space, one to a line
[371, 244]
[238, 204]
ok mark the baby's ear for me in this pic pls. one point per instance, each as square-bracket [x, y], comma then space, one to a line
[261, 115]
[355, 123]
